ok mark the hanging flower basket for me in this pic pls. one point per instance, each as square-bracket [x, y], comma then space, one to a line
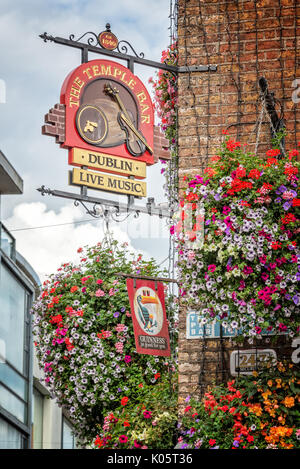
[84, 336]
[246, 274]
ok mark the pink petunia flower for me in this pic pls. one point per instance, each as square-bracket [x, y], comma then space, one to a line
[100, 293]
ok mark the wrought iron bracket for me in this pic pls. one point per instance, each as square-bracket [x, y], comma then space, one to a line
[115, 209]
[124, 51]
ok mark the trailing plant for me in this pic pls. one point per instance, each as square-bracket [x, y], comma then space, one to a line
[165, 102]
[246, 270]
[84, 336]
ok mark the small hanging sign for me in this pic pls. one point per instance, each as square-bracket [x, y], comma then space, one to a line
[107, 39]
[147, 302]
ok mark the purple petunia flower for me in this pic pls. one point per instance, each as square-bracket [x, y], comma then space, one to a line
[296, 299]
[286, 205]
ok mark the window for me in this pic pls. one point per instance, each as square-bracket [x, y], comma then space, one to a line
[37, 419]
[12, 318]
[10, 438]
[7, 242]
[15, 354]
[68, 439]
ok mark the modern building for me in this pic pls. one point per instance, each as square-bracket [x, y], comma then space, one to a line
[29, 418]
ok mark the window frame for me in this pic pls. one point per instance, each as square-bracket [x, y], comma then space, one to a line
[64, 418]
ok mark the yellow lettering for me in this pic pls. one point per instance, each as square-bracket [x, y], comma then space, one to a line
[78, 82]
[144, 107]
[146, 119]
[75, 92]
[105, 70]
[87, 72]
[131, 83]
[123, 77]
[73, 102]
[141, 96]
[117, 72]
[95, 69]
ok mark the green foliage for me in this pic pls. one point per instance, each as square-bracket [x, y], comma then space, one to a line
[146, 420]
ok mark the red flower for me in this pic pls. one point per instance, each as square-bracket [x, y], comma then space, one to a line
[273, 152]
[212, 442]
[224, 408]
[271, 161]
[187, 408]
[232, 145]
[98, 442]
[147, 414]
[240, 172]
[123, 439]
[124, 400]
[73, 289]
[293, 153]
[275, 245]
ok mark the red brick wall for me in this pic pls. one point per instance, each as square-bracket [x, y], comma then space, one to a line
[246, 40]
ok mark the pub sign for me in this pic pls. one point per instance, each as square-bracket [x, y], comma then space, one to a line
[149, 318]
[108, 128]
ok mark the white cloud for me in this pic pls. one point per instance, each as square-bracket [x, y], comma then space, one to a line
[47, 238]
[47, 248]
[33, 72]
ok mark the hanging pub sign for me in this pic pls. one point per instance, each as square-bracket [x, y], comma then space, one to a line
[105, 120]
[108, 109]
[149, 318]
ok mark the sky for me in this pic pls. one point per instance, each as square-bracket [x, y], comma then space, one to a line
[49, 230]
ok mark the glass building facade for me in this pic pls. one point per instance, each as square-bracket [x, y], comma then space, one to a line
[16, 296]
[28, 418]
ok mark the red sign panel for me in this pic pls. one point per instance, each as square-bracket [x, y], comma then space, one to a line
[108, 109]
[147, 302]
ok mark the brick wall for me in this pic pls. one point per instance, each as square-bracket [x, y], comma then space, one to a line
[246, 40]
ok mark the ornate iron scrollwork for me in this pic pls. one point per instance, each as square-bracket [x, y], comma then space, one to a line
[124, 49]
[91, 40]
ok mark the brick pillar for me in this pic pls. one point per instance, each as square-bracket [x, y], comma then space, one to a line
[246, 40]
